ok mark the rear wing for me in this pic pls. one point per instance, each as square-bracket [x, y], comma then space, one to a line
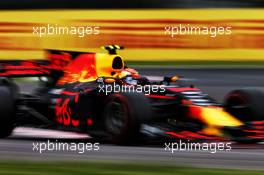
[56, 61]
[21, 68]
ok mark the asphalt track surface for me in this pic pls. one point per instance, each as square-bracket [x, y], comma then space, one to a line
[216, 82]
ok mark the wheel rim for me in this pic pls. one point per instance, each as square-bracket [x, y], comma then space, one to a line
[116, 115]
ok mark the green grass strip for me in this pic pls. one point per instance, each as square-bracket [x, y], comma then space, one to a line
[99, 168]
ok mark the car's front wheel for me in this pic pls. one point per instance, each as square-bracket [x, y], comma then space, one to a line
[123, 115]
[246, 104]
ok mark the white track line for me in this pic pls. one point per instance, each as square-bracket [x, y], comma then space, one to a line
[160, 78]
[26, 132]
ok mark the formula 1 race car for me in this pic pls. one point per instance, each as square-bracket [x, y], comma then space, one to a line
[97, 94]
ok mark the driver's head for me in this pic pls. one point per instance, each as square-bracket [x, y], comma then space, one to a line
[129, 72]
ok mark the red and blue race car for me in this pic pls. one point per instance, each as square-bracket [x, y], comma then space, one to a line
[96, 93]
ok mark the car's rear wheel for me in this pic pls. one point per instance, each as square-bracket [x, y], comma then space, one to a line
[246, 104]
[123, 116]
[7, 111]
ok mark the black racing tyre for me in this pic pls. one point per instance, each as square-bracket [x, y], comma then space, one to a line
[246, 104]
[123, 115]
[11, 85]
[7, 111]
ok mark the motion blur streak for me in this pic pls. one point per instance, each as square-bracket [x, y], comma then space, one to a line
[140, 31]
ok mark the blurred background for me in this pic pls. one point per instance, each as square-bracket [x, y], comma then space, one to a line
[137, 25]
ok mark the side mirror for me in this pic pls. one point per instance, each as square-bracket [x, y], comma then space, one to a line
[170, 79]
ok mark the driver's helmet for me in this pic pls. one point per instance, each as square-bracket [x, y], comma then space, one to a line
[130, 80]
[129, 72]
